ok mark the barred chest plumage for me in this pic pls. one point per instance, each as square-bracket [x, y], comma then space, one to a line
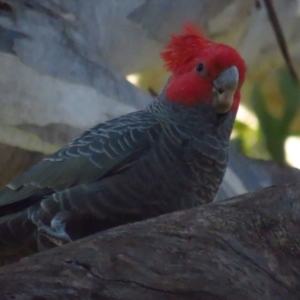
[184, 167]
[174, 177]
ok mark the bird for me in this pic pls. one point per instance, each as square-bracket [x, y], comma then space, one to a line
[170, 156]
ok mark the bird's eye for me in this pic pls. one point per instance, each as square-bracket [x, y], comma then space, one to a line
[200, 67]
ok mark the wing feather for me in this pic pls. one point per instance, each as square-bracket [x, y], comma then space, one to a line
[101, 151]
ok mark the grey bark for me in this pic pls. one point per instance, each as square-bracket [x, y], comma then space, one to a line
[246, 174]
[243, 248]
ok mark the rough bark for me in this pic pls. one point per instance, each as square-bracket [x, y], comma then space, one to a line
[243, 248]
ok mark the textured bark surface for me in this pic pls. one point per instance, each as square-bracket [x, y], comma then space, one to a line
[243, 248]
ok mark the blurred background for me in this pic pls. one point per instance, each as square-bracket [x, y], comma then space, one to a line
[67, 65]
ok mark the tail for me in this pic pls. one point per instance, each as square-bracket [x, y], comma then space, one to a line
[18, 237]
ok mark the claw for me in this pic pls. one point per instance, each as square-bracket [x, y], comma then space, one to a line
[58, 238]
[56, 232]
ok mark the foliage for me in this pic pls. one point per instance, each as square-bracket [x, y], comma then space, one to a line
[277, 110]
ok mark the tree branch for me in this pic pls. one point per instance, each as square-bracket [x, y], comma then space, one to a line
[280, 38]
[244, 248]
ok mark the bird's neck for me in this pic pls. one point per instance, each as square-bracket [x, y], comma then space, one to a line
[197, 120]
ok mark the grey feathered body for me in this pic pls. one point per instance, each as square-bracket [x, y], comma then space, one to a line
[141, 165]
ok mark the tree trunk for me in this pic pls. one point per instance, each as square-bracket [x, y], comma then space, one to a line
[243, 248]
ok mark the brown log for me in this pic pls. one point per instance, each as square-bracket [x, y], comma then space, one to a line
[243, 248]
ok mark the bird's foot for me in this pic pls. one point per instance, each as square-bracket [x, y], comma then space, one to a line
[56, 232]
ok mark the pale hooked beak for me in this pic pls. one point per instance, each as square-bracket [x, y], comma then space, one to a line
[225, 86]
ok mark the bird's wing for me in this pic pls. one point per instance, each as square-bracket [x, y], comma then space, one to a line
[102, 151]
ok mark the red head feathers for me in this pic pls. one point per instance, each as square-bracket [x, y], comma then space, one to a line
[195, 62]
[185, 47]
